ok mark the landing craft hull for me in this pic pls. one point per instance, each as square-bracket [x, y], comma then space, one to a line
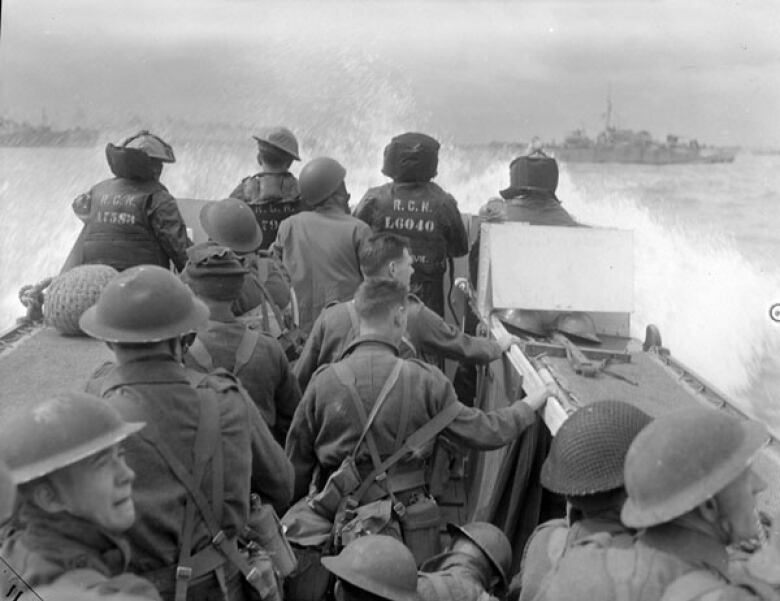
[502, 485]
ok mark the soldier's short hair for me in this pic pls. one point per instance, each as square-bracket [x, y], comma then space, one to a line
[376, 298]
[273, 157]
[378, 250]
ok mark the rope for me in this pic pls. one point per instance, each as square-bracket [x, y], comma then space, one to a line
[31, 297]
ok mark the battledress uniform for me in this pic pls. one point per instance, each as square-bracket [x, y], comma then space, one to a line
[426, 332]
[452, 577]
[157, 390]
[62, 549]
[324, 429]
[319, 249]
[266, 374]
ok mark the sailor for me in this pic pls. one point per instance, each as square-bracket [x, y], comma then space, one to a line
[374, 567]
[410, 403]
[691, 494]
[266, 291]
[530, 198]
[474, 567]
[205, 444]
[585, 464]
[415, 207]
[75, 497]
[272, 193]
[388, 255]
[319, 247]
[132, 219]
[216, 276]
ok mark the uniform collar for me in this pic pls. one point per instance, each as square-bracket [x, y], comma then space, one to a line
[690, 544]
[374, 341]
[158, 369]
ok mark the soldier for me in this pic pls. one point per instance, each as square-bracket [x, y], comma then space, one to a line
[415, 207]
[273, 193]
[216, 276]
[76, 497]
[205, 446]
[319, 247]
[691, 493]
[266, 291]
[132, 219]
[474, 568]
[388, 255]
[585, 464]
[330, 424]
[374, 567]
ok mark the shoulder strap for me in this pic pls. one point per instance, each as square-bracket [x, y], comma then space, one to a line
[556, 544]
[245, 349]
[347, 378]
[353, 317]
[691, 586]
[200, 355]
[414, 444]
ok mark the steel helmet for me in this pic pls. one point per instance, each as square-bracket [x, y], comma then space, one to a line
[231, 223]
[536, 172]
[684, 458]
[44, 437]
[73, 292]
[145, 303]
[154, 146]
[492, 541]
[526, 321]
[577, 325]
[589, 450]
[378, 564]
[320, 178]
[281, 138]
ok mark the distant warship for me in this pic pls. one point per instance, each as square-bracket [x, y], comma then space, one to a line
[614, 145]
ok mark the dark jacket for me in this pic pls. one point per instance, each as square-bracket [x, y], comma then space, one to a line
[131, 222]
[319, 249]
[325, 430]
[158, 391]
[273, 197]
[64, 549]
[266, 375]
[426, 333]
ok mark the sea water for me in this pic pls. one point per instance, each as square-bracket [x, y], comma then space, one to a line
[707, 237]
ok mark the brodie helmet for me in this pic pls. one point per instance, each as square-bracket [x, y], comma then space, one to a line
[588, 452]
[144, 304]
[280, 138]
[577, 325]
[683, 458]
[492, 541]
[522, 321]
[231, 223]
[320, 178]
[378, 564]
[42, 438]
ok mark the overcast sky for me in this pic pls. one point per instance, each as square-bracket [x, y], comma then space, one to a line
[465, 71]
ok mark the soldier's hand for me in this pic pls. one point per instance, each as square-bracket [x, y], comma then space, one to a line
[540, 396]
[507, 342]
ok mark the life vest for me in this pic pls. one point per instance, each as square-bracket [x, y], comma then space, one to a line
[118, 232]
[415, 212]
[272, 197]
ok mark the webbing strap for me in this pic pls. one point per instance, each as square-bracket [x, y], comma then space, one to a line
[347, 378]
[200, 355]
[353, 317]
[245, 349]
[403, 420]
[414, 444]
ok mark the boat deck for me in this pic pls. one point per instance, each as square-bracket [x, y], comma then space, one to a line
[43, 363]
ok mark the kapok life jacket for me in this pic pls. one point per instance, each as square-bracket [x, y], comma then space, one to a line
[272, 197]
[423, 213]
[118, 232]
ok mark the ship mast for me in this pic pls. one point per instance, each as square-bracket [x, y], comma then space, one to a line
[609, 108]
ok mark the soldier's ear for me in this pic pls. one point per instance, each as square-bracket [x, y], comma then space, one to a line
[710, 511]
[45, 496]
